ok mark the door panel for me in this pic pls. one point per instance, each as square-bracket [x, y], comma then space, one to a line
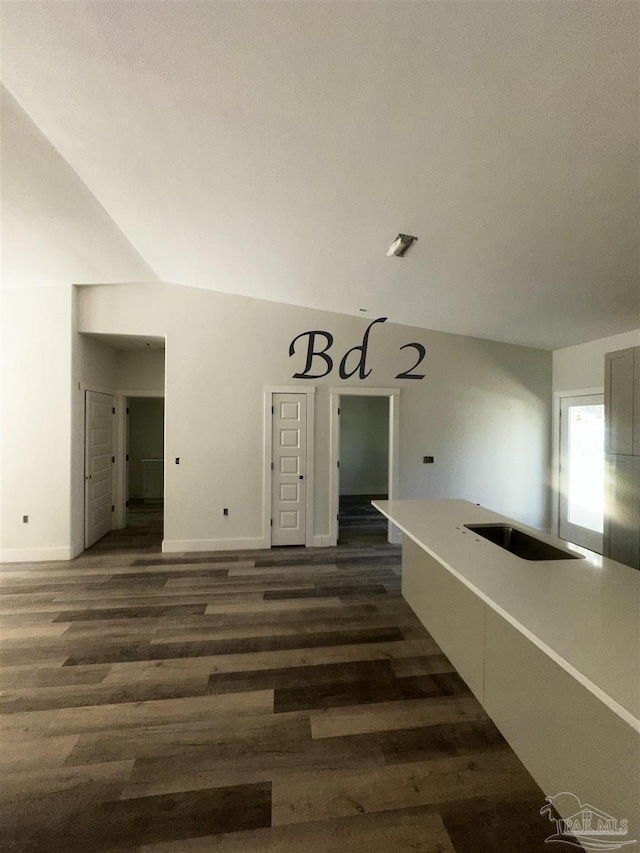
[290, 465]
[289, 457]
[289, 492]
[98, 471]
[581, 504]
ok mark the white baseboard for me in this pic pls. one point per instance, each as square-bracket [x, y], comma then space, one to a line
[184, 546]
[325, 540]
[35, 555]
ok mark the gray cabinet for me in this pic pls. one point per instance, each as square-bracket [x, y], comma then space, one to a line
[636, 401]
[618, 401]
[622, 449]
[622, 516]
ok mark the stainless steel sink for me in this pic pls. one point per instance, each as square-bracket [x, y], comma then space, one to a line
[519, 543]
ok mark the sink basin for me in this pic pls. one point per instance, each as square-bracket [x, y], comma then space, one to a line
[521, 544]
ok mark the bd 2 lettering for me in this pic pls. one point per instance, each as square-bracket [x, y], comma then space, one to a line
[318, 349]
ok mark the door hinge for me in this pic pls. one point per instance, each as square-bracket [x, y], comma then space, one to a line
[272, 466]
[273, 411]
[127, 409]
[113, 458]
[113, 509]
[338, 409]
[271, 522]
[126, 458]
[113, 410]
[338, 463]
[127, 504]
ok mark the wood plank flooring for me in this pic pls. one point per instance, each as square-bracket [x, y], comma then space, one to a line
[249, 702]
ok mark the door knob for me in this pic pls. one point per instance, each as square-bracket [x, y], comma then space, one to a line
[301, 477]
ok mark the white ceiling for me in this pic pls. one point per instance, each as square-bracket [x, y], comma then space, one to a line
[275, 149]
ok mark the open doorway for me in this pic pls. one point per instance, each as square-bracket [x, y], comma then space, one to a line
[364, 469]
[364, 463]
[122, 377]
[144, 480]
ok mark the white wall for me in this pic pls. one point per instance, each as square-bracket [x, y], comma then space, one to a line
[35, 432]
[141, 370]
[480, 415]
[364, 445]
[98, 364]
[54, 234]
[53, 228]
[483, 409]
[580, 367]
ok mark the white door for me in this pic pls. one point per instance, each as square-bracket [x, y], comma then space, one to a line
[289, 469]
[98, 466]
[581, 516]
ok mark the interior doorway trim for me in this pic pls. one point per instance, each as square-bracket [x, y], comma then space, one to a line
[310, 392]
[394, 535]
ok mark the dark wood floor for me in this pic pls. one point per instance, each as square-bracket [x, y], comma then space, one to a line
[283, 701]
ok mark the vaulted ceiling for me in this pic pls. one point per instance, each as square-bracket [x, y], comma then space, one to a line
[275, 149]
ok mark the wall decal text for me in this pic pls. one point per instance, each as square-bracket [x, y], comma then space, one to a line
[319, 343]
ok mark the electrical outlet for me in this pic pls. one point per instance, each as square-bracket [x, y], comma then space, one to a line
[25, 519]
[427, 459]
[225, 510]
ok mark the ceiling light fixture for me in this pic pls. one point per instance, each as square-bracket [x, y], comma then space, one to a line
[400, 245]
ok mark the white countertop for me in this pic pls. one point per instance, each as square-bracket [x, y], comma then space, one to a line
[585, 614]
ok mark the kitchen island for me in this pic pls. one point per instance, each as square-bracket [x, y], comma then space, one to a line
[551, 648]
